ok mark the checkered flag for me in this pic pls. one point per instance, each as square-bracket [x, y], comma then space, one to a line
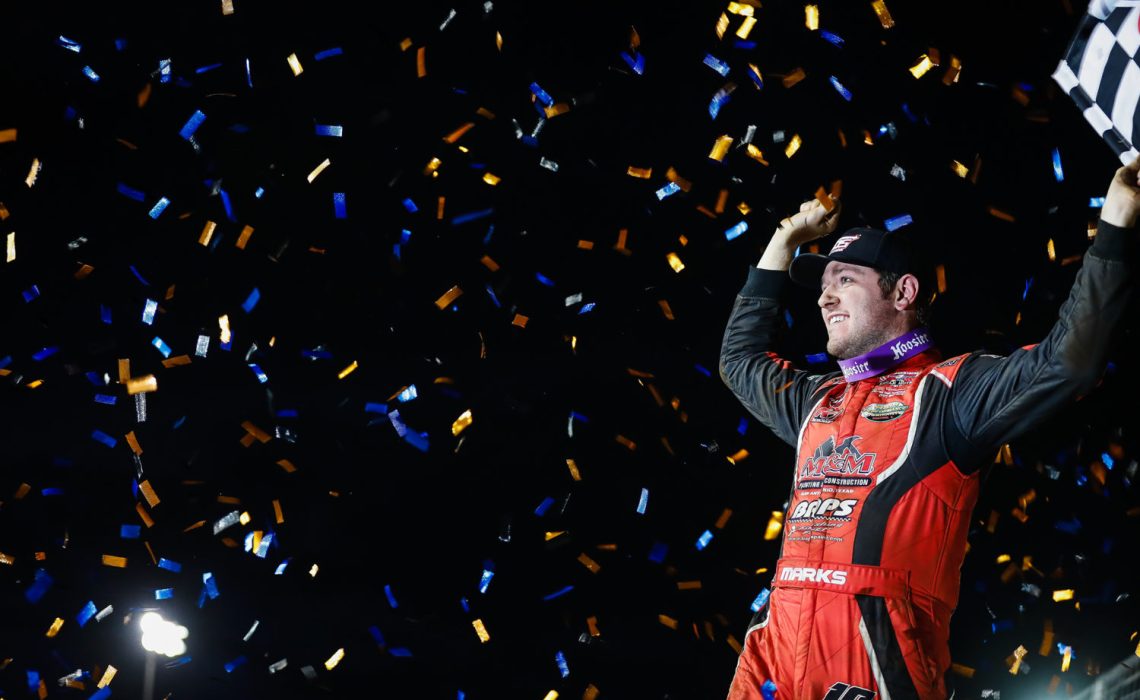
[1101, 74]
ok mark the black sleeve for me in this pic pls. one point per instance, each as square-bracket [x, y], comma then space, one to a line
[996, 399]
[768, 386]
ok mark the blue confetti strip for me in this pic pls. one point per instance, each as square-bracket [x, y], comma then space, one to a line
[41, 583]
[31, 293]
[473, 216]
[671, 188]
[587, 307]
[381, 408]
[335, 130]
[563, 667]
[231, 665]
[400, 652]
[281, 567]
[52, 491]
[716, 64]
[259, 192]
[164, 563]
[263, 546]
[719, 100]
[33, 680]
[541, 94]
[1057, 171]
[148, 311]
[164, 70]
[328, 53]
[161, 345]
[391, 596]
[101, 694]
[544, 506]
[130, 532]
[86, 613]
[558, 593]
[464, 604]
[833, 38]
[896, 222]
[760, 600]
[210, 584]
[262, 377]
[635, 63]
[657, 552]
[704, 539]
[228, 207]
[251, 300]
[839, 87]
[192, 124]
[742, 427]
[574, 415]
[485, 580]
[410, 205]
[138, 276]
[756, 79]
[1028, 286]
[1096, 202]
[407, 394]
[287, 413]
[163, 593]
[736, 230]
[703, 370]
[69, 44]
[744, 45]
[544, 279]
[90, 73]
[106, 399]
[100, 436]
[206, 69]
[643, 501]
[5, 361]
[817, 359]
[45, 353]
[376, 634]
[339, 205]
[1107, 459]
[130, 192]
[494, 299]
[909, 114]
[1070, 526]
[159, 207]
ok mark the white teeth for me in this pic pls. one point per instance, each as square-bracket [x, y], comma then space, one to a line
[836, 319]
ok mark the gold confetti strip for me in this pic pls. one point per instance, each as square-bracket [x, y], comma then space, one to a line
[347, 370]
[55, 627]
[458, 133]
[11, 246]
[675, 262]
[591, 692]
[746, 27]
[1063, 595]
[1015, 666]
[227, 7]
[481, 630]
[334, 659]
[585, 245]
[638, 373]
[7, 559]
[520, 320]
[607, 547]
[959, 169]
[224, 328]
[740, 455]
[498, 41]
[721, 25]
[176, 361]
[4, 214]
[149, 494]
[962, 670]
[318, 170]
[884, 15]
[194, 526]
[555, 109]
[36, 383]
[294, 64]
[256, 431]
[278, 516]
[124, 370]
[142, 385]
[1002, 559]
[723, 519]
[732, 642]
[491, 179]
[117, 562]
[641, 173]
[1019, 96]
[573, 467]
[108, 676]
[793, 146]
[1046, 639]
[144, 516]
[243, 237]
[688, 585]
[775, 525]
[230, 500]
[626, 442]
[1005, 455]
[208, 233]
[449, 296]
[620, 246]
[405, 43]
[673, 176]
[33, 172]
[552, 535]
[489, 263]
[421, 62]
[921, 66]
[1066, 659]
[743, 9]
[794, 77]
[7, 135]
[150, 551]
[432, 166]
[1054, 683]
[1051, 251]
[755, 154]
[461, 422]
[552, 695]
[667, 621]
[667, 310]
[592, 626]
[811, 17]
[41, 556]
[720, 148]
[684, 241]
[952, 73]
[589, 563]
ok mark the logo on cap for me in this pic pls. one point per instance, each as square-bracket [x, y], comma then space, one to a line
[842, 243]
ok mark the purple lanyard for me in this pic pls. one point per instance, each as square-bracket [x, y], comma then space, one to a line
[886, 356]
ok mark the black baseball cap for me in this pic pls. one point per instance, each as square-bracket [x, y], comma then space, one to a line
[866, 246]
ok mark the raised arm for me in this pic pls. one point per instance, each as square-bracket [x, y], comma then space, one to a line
[768, 386]
[996, 399]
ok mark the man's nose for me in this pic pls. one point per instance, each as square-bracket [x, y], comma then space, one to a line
[826, 298]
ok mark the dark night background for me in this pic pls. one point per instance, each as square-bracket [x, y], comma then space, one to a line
[629, 394]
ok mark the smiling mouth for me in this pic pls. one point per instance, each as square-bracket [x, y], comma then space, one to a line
[836, 319]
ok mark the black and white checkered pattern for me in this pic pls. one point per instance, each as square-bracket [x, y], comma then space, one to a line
[1100, 72]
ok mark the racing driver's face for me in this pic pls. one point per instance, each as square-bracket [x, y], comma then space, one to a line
[857, 316]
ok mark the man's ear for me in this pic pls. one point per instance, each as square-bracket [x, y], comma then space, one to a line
[906, 292]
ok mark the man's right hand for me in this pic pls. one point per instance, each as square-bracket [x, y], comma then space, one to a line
[1122, 203]
[812, 221]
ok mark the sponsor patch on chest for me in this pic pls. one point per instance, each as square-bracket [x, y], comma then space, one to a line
[883, 412]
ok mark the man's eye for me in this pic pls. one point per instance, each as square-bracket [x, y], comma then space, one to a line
[844, 280]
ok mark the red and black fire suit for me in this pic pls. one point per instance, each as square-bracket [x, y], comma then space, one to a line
[886, 478]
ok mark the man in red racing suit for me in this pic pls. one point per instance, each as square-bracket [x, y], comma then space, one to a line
[888, 452]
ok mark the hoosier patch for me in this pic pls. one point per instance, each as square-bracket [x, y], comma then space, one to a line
[883, 412]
